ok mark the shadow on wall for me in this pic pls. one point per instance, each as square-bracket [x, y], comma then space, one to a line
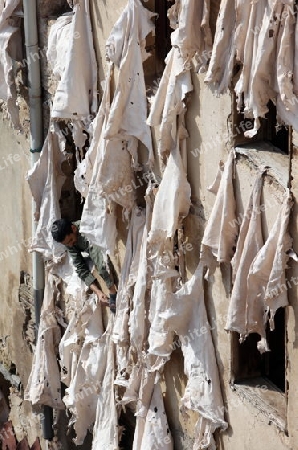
[194, 141]
[293, 270]
[175, 382]
[217, 318]
[128, 422]
[53, 8]
[65, 437]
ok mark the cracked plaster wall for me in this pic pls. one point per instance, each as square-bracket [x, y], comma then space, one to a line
[15, 229]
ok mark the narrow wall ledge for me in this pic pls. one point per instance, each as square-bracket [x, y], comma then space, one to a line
[263, 154]
[266, 398]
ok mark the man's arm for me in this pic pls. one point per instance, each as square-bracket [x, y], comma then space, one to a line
[85, 274]
[100, 295]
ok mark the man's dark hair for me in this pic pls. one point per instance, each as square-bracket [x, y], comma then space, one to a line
[60, 229]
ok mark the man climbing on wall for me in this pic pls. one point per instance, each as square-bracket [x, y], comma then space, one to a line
[68, 233]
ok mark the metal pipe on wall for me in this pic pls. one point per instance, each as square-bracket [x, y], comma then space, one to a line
[36, 142]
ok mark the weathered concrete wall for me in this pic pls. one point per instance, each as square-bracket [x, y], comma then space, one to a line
[16, 324]
[208, 122]
[15, 202]
[209, 125]
[208, 118]
[292, 317]
[104, 17]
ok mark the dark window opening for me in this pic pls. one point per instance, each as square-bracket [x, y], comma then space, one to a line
[269, 131]
[162, 33]
[128, 421]
[71, 202]
[55, 9]
[273, 362]
[158, 45]
[249, 363]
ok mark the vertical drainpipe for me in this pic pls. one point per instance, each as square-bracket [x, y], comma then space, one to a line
[36, 142]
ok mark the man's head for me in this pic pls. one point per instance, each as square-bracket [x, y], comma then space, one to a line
[65, 232]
